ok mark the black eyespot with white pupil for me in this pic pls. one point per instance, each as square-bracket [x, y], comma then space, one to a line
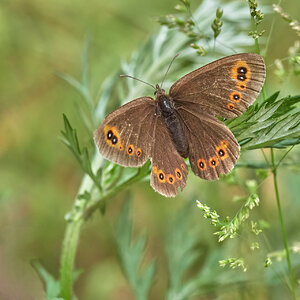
[178, 174]
[242, 70]
[171, 179]
[213, 162]
[114, 140]
[129, 150]
[201, 164]
[236, 97]
[138, 152]
[221, 153]
[109, 135]
[241, 77]
[161, 176]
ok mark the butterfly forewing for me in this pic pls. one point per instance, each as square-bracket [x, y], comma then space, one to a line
[126, 134]
[224, 88]
[168, 168]
[213, 149]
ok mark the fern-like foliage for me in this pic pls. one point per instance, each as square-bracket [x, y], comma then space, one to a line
[272, 123]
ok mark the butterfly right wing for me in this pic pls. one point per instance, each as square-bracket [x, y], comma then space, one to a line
[126, 135]
[169, 170]
[225, 87]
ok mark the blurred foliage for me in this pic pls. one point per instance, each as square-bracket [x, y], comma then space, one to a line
[40, 40]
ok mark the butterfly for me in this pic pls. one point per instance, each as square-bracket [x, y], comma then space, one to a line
[184, 124]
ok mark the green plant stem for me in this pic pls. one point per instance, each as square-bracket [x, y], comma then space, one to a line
[292, 278]
[71, 237]
[257, 48]
[274, 171]
[68, 257]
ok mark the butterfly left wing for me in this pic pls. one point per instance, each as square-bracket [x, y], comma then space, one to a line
[213, 149]
[225, 87]
[169, 170]
[125, 136]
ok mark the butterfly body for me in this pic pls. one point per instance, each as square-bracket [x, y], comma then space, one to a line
[167, 111]
[183, 123]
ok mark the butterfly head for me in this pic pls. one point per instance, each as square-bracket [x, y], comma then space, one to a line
[158, 91]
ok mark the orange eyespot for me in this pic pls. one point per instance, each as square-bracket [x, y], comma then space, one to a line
[221, 152]
[154, 169]
[241, 86]
[178, 174]
[130, 150]
[170, 179]
[236, 97]
[201, 164]
[224, 143]
[112, 137]
[241, 72]
[213, 162]
[182, 166]
[161, 176]
[230, 106]
[138, 152]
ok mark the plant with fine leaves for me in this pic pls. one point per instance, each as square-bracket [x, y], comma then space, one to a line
[272, 122]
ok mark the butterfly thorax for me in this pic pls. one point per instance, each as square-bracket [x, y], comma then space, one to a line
[167, 111]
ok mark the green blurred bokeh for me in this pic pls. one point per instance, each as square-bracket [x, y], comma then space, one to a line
[38, 175]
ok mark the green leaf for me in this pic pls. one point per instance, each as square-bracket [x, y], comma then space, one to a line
[274, 123]
[132, 255]
[52, 285]
[70, 139]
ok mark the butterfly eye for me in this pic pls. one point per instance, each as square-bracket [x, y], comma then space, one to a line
[155, 93]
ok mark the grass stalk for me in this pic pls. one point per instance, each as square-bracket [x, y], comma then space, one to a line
[274, 172]
[292, 277]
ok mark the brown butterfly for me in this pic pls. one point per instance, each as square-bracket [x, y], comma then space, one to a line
[183, 123]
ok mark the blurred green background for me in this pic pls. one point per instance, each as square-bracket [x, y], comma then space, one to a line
[39, 178]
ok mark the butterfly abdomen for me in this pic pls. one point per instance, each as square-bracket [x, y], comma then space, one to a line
[172, 121]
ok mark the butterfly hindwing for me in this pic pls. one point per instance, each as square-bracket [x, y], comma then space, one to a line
[225, 87]
[125, 136]
[213, 149]
[168, 168]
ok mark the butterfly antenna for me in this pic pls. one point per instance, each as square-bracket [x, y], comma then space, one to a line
[138, 80]
[169, 69]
